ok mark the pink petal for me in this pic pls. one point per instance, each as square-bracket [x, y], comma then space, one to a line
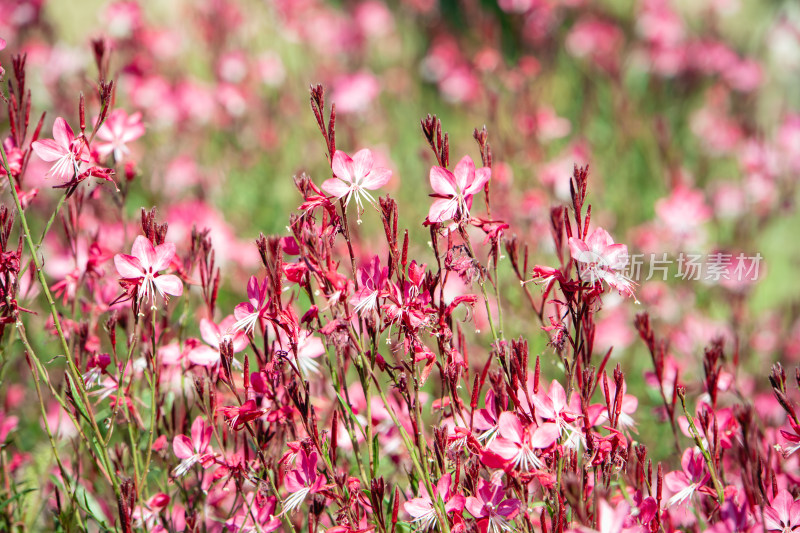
[128, 266]
[510, 427]
[464, 172]
[557, 395]
[599, 239]
[504, 448]
[443, 209]
[62, 133]
[182, 447]
[676, 481]
[198, 428]
[336, 187]
[144, 250]
[578, 249]
[475, 507]
[509, 508]
[616, 255]
[204, 356]
[210, 332]
[169, 284]
[443, 182]
[544, 436]
[377, 178]
[362, 164]
[48, 150]
[294, 481]
[417, 506]
[482, 176]
[443, 486]
[342, 166]
[456, 503]
[164, 254]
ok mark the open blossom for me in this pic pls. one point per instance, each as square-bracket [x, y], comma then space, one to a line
[302, 480]
[195, 450]
[454, 190]
[64, 150]
[516, 446]
[213, 334]
[355, 176]
[602, 260]
[783, 513]
[309, 348]
[249, 313]
[116, 132]
[491, 508]
[143, 266]
[423, 509]
[683, 484]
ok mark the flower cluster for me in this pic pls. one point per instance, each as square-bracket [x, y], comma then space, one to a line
[419, 344]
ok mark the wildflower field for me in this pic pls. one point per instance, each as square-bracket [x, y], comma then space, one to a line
[385, 266]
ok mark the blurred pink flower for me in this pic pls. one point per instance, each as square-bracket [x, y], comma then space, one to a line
[116, 132]
[355, 92]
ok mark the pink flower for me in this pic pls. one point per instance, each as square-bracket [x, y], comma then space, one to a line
[454, 190]
[255, 517]
[516, 445]
[783, 513]
[354, 93]
[143, 267]
[694, 476]
[302, 481]
[602, 260]
[118, 130]
[249, 313]
[373, 278]
[489, 506]
[423, 510]
[237, 416]
[792, 436]
[354, 177]
[194, 450]
[64, 151]
[213, 335]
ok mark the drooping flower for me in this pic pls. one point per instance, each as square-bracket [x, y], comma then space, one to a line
[454, 190]
[142, 267]
[236, 416]
[355, 176]
[602, 260]
[116, 132]
[66, 152]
